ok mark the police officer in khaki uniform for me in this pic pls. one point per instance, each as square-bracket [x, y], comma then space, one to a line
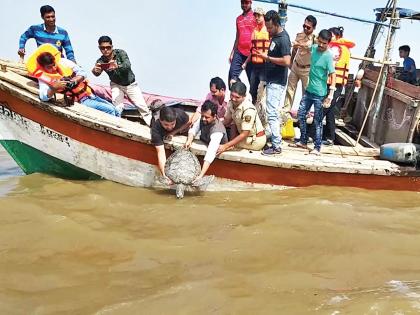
[250, 132]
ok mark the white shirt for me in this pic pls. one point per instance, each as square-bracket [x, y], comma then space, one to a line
[215, 139]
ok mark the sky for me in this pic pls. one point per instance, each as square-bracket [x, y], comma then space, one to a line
[176, 47]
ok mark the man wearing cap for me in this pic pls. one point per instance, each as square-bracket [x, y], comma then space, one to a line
[260, 41]
[301, 61]
[250, 132]
[245, 25]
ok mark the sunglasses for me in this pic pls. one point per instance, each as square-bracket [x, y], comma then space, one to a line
[306, 27]
[105, 47]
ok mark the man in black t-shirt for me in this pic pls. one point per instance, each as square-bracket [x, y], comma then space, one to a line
[171, 121]
[277, 62]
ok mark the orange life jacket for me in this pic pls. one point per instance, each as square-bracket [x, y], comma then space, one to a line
[342, 66]
[260, 41]
[64, 71]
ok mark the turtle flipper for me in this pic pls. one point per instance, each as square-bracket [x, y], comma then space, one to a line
[180, 189]
[203, 182]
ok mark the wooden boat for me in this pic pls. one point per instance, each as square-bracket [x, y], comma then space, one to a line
[81, 143]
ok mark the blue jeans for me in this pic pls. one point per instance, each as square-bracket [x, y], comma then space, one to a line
[98, 103]
[274, 93]
[306, 103]
[236, 67]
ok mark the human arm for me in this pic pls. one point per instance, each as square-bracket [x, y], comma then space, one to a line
[235, 45]
[327, 101]
[29, 33]
[161, 155]
[280, 61]
[125, 61]
[68, 47]
[242, 136]
[192, 133]
[211, 152]
[246, 61]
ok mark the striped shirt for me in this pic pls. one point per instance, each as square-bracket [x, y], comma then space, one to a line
[59, 38]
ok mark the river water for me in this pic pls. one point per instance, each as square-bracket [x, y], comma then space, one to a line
[69, 247]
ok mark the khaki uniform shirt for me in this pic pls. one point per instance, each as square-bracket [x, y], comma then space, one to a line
[303, 55]
[246, 118]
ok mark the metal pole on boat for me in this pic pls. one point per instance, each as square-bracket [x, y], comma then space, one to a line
[395, 21]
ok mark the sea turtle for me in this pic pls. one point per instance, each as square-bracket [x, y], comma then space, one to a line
[182, 168]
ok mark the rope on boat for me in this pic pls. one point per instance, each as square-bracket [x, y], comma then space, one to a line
[280, 2]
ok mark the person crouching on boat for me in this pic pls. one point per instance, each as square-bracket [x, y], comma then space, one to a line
[212, 132]
[249, 133]
[116, 64]
[322, 68]
[171, 121]
[56, 74]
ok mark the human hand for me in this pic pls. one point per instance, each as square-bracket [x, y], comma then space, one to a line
[187, 144]
[327, 102]
[113, 65]
[21, 52]
[59, 85]
[97, 69]
[222, 148]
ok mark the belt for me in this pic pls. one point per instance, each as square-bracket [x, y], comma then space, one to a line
[301, 66]
[261, 133]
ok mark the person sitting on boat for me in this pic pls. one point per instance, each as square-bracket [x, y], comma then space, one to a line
[249, 133]
[217, 96]
[340, 48]
[322, 68]
[212, 132]
[116, 64]
[409, 73]
[171, 121]
[57, 74]
[47, 33]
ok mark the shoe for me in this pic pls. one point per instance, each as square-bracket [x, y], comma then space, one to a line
[310, 140]
[271, 151]
[327, 142]
[315, 152]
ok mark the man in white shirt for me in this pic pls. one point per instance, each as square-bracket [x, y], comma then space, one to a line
[212, 132]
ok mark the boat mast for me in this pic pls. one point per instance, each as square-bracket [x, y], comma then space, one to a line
[389, 45]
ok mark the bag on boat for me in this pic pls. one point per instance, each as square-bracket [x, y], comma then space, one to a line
[287, 130]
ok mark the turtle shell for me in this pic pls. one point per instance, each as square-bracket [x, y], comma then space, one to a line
[182, 167]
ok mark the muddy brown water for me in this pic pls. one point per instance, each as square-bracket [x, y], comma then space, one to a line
[69, 247]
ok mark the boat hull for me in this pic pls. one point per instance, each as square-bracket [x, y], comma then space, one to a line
[41, 141]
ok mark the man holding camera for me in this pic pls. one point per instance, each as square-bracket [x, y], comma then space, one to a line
[116, 64]
[57, 74]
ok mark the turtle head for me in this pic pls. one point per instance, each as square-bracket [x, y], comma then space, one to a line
[180, 189]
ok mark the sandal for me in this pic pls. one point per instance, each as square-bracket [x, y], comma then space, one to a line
[298, 145]
[315, 152]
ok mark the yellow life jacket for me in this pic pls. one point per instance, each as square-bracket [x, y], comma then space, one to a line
[342, 66]
[261, 42]
[76, 93]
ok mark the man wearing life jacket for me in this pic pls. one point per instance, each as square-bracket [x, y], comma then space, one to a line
[212, 132]
[260, 41]
[245, 25]
[47, 33]
[116, 64]
[301, 61]
[59, 75]
[340, 48]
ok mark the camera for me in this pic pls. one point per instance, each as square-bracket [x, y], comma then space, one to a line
[69, 83]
